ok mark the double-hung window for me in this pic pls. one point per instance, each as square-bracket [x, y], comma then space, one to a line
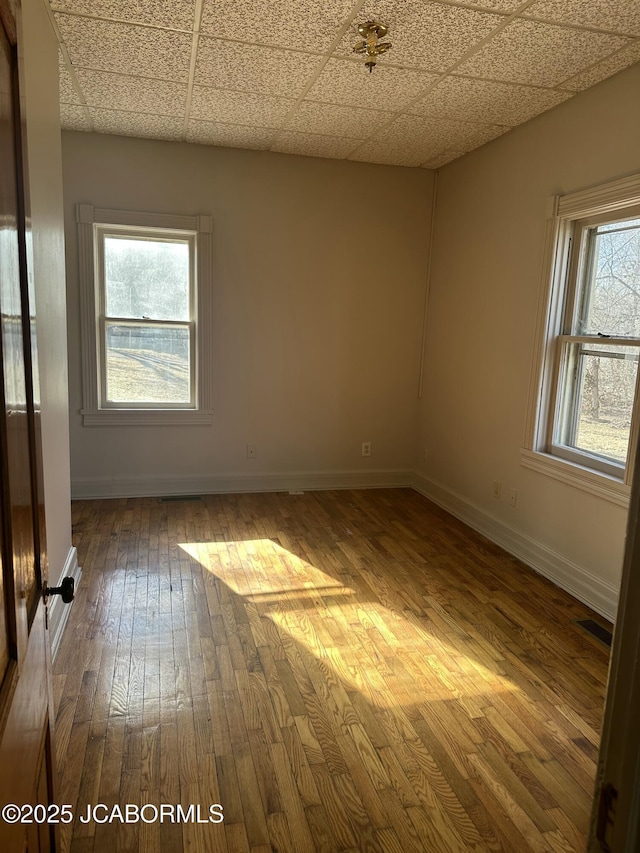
[145, 295]
[597, 370]
[588, 406]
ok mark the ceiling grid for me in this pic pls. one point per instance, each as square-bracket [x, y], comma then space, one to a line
[280, 75]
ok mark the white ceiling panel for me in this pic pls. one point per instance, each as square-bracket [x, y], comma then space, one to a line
[424, 35]
[611, 65]
[135, 124]
[74, 117]
[442, 159]
[245, 108]
[229, 135]
[313, 145]
[458, 135]
[618, 16]
[108, 46]
[353, 122]
[418, 139]
[305, 25]
[344, 81]
[540, 54]
[177, 14]
[249, 68]
[486, 101]
[119, 91]
[393, 152]
[281, 74]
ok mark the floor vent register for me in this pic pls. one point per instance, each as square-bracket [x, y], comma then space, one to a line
[596, 630]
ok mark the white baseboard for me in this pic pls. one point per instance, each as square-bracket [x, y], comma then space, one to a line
[58, 610]
[587, 588]
[127, 487]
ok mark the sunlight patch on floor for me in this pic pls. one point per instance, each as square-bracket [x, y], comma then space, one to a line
[258, 567]
[359, 639]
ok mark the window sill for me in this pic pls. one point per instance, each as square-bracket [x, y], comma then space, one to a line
[595, 483]
[145, 417]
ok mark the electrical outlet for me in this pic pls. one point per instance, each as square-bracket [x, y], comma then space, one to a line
[251, 451]
[513, 497]
[366, 448]
[497, 489]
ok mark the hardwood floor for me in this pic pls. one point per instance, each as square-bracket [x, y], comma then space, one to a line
[340, 671]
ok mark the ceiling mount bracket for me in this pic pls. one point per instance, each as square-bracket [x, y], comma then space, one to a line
[371, 46]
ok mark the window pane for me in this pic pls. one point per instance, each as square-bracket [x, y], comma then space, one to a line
[146, 278]
[610, 302]
[616, 226]
[147, 364]
[598, 389]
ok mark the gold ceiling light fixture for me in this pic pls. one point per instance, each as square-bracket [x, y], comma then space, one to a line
[371, 46]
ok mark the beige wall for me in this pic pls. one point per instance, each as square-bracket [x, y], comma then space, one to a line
[485, 286]
[318, 294]
[40, 92]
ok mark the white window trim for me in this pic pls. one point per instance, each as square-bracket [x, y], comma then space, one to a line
[563, 211]
[88, 217]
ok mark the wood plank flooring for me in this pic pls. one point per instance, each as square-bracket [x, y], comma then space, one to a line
[340, 671]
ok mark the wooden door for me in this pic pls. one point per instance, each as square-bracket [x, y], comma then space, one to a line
[615, 818]
[26, 748]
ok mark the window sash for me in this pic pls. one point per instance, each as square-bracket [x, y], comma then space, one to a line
[569, 350]
[161, 235]
[105, 322]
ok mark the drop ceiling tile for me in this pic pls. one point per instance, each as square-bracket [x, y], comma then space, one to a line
[343, 81]
[443, 159]
[390, 152]
[313, 145]
[247, 68]
[539, 54]
[414, 140]
[229, 135]
[120, 92]
[127, 49]
[352, 122]
[486, 101]
[68, 93]
[73, 117]
[305, 24]
[460, 135]
[424, 35]
[619, 16]
[136, 124]
[611, 65]
[177, 14]
[220, 105]
[507, 6]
